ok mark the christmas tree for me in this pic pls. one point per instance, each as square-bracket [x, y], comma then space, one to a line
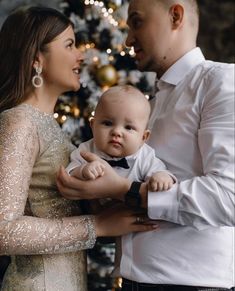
[101, 30]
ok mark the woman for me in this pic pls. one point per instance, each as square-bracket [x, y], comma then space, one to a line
[43, 232]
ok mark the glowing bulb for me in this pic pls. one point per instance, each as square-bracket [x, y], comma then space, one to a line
[95, 59]
[67, 108]
[63, 118]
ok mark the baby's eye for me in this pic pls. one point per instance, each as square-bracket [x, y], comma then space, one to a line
[129, 127]
[107, 122]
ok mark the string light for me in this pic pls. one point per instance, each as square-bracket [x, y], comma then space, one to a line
[95, 59]
[111, 58]
[107, 13]
[63, 118]
[131, 51]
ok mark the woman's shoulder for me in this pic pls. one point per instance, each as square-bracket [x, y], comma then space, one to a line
[15, 117]
[17, 128]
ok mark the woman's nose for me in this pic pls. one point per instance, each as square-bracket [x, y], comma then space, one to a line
[80, 56]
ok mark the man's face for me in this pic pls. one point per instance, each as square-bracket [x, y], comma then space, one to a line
[149, 34]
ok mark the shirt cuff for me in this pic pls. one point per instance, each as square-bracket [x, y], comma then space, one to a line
[164, 205]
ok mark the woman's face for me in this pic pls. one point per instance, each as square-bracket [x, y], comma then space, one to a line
[61, 63]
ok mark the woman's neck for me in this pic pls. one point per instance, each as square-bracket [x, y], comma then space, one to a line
[44, 102]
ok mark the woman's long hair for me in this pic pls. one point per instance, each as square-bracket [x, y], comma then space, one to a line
[24, 34]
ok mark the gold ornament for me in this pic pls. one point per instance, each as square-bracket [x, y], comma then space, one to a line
[107, 75]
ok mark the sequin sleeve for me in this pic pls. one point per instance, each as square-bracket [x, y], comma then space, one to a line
[25, 234]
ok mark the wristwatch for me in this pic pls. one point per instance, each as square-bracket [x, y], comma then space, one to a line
[133, 197]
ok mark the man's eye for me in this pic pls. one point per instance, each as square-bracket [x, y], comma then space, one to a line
[136, 23]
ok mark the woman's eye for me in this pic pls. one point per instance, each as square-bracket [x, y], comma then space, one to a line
[70, 45]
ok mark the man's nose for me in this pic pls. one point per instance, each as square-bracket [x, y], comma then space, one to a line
[130, 39]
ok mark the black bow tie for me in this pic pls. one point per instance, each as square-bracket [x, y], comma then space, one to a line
[119, 163]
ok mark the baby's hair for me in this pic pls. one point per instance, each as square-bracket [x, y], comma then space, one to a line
[125, 91]
[116, 90]
[125, 88]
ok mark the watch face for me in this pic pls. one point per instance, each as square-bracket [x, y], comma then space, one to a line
[132, 197]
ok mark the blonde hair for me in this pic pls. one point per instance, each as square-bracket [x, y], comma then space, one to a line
[121, 91]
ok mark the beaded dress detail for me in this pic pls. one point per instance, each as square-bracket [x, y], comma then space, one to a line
[44, 233]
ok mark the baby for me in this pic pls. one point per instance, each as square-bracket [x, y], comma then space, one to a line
[120, 129]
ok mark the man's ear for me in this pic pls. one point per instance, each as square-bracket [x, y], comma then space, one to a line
[177, 15]
[146, 135]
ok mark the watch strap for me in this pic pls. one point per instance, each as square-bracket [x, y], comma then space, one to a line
[133, 197]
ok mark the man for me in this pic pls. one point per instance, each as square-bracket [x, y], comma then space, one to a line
[192, 126]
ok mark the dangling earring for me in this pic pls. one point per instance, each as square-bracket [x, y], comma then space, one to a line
[37, 80]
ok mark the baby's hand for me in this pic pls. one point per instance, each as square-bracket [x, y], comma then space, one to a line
[93, 170]
[160, 181]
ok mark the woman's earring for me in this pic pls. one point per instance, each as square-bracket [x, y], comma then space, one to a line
[37, 80]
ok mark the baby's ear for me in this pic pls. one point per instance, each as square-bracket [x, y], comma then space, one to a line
[146, 134]
[91, 121]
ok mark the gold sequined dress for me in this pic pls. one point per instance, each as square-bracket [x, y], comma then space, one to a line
[44, 233]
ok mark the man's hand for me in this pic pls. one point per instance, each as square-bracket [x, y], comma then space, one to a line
[119, 220]
[109, 185]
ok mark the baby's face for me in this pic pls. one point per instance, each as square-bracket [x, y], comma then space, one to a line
[119, 127]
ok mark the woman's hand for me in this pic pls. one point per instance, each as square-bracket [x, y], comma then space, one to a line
[110, 184]
[120, 220]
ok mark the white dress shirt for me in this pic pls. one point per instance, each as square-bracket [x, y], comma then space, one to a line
[142, 164]
[192, 125]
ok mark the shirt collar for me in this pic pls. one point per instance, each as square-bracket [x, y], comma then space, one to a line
[182, 67]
